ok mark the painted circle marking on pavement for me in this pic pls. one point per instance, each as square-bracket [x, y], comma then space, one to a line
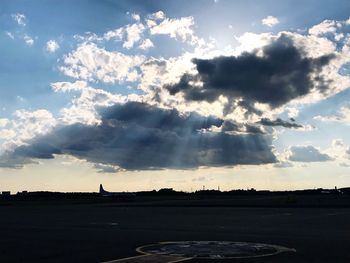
[213, 249]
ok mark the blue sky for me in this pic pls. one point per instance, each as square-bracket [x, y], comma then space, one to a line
[85, 65]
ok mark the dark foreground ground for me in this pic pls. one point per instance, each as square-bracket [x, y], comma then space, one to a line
[86, 231]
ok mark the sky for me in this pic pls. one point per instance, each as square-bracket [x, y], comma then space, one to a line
[142, 95]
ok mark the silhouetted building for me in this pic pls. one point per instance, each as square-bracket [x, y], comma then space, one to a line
[6, 193]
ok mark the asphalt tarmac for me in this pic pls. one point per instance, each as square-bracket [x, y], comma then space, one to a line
[97, 232]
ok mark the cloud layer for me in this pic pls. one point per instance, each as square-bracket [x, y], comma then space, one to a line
[137, 136]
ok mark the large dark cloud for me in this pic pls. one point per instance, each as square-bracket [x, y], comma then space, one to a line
[137, 136]
[281, 74]
[149, 116]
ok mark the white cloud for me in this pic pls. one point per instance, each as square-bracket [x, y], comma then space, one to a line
[159, 72]
[270, 21]
[90, 37]
[292, 112]
[339, 151]
[20, 99]
[4, 122]
[89, 62]
[136, 17]
[83, 108]
[19, 18]
[25, 126]
[52, 46]
[146, 44]
[133, 34]
[327, 26]
[9, 34]
[29, 40]
[115, 34]
[150, 23]
[157, 15]
[156, 24]
[175, 28]
[69, 86]
[251, 41]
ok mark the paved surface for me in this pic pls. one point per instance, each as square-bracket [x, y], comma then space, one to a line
[71, 232]
[150, 258]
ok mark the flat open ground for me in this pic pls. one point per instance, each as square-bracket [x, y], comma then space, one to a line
[70, 231]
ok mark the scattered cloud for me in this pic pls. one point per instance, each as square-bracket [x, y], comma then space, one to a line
[339, 151]
[10, 35]
[136, 17]
[28, 40]
[342, 116]
[307, 154]
[157, 15]
[175, 28]
[52, 46]
[133, 34]
[146, 44]
[326, 26]
[270, 21]
[89, 62]
[116, 34]
[280, 122]
[69, 86]
[20, 19]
